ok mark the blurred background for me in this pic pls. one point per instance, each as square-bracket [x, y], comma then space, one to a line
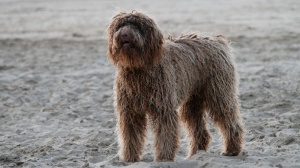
[50, 19]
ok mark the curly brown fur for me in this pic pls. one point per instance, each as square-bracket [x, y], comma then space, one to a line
[155, 77]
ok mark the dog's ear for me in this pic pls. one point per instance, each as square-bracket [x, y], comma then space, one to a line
[111, 29]
[156, 47]
[159, 36]
[155, 43]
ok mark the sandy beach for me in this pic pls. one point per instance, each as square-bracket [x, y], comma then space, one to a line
[56, 83]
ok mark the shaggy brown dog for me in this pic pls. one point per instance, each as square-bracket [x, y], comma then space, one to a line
[155, 77]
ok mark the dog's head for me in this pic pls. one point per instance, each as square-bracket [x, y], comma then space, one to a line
[134, 40]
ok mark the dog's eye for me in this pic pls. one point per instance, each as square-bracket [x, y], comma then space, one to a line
[131, 25]
[138, 28]
[122, 25]
[118, 27]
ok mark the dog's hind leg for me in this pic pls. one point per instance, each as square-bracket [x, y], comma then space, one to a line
[224, 110]
[166, 131]
[132, 132]
[192, 113]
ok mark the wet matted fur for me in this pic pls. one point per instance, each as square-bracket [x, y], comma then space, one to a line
[157, 77]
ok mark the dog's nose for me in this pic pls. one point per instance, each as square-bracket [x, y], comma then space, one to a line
[124, 36]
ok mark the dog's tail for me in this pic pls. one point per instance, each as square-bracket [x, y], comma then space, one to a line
[189, 36]
[222, 39]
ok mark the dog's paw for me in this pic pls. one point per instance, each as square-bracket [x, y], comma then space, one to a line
[230, 153]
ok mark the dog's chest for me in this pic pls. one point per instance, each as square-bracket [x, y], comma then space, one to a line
[144, 84]
[140, 82]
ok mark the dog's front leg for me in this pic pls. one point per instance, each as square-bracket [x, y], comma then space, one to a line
[166, 131]
[132, 132]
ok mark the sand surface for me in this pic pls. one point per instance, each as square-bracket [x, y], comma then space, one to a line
[56, 102]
